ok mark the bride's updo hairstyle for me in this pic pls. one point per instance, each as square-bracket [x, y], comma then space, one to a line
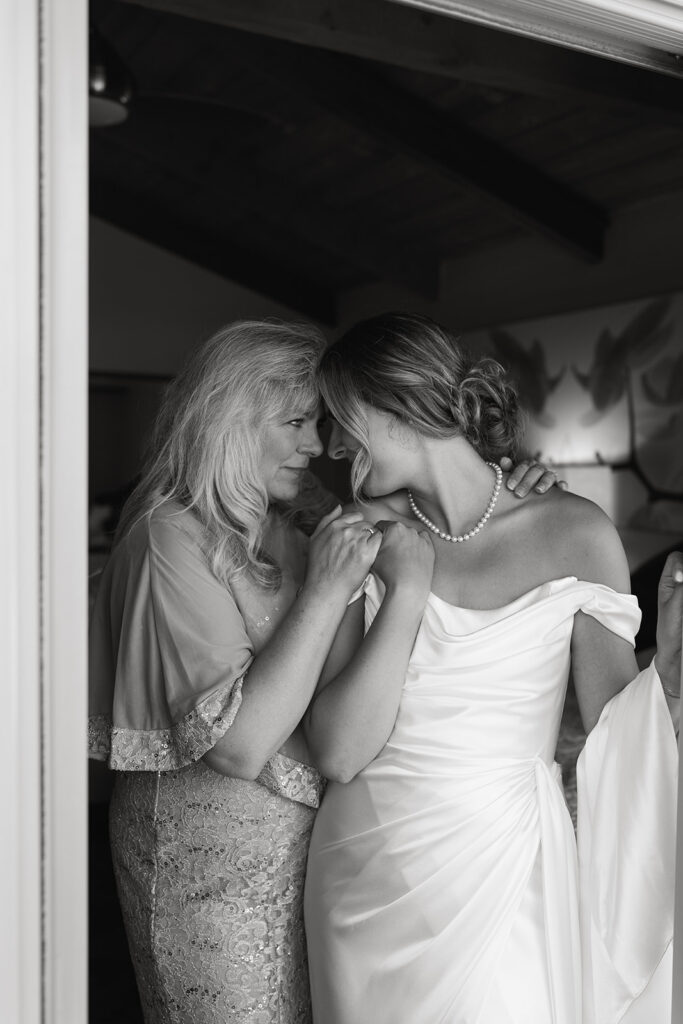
[409, 367]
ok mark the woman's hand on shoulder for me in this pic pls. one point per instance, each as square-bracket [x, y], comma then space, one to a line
[670, 623]
[342, 550]
[528, 475]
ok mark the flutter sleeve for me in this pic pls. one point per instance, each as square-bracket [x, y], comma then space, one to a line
[168, 651]
[627, 785]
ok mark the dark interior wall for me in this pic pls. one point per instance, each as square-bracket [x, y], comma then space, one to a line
[122, 411]
[148, 310]
[532, 277]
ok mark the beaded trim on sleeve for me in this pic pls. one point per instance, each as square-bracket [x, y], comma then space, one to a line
[299, 782]
[163, 750]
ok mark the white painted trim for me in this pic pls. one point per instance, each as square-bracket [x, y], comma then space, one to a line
[677, 1002]
[64, 352]
[20, 783]
[43, 527]
[648, 33]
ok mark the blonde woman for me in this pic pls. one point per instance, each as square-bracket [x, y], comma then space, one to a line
[442, 881]
[210, 578]
[211, 626]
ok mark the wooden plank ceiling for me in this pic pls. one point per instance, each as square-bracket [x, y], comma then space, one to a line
[305, 148]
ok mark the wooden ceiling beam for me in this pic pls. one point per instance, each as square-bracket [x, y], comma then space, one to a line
[282, 205]
[152, 222]
[407, 37]
[414, 128]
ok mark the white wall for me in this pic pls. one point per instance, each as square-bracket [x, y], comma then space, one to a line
[148, 308]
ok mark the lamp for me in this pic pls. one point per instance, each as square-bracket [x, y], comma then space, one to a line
[110, 84]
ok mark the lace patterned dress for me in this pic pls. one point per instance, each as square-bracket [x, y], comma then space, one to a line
[210, 874]
[209, 869]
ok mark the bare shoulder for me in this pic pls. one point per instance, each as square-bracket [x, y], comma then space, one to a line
[390, 506]
[589, 539]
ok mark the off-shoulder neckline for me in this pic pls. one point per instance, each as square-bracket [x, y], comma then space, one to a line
[498, 608]
[527, 594]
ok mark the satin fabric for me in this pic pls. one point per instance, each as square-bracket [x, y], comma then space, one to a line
[443, 883]
[627, 794]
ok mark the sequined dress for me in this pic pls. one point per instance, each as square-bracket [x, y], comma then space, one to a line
[209, 869]
[210, 875]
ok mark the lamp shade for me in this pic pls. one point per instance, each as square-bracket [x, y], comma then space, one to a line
[110, 84]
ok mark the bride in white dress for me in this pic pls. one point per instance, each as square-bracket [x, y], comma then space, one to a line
[444, 885]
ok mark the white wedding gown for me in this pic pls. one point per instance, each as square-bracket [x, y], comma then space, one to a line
[443, 881]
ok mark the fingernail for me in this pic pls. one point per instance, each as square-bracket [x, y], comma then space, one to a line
[520, 492]
[678, 576]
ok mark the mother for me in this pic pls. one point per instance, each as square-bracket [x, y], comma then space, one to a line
[210, 579]
[212, 623]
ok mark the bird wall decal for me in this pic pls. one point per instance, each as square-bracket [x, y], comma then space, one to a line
[617, 354]
[668, 372]
[528, 369]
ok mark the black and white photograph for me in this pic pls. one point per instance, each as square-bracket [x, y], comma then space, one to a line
[341, 550]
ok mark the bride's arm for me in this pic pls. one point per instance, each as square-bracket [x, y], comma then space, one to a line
[602, 665]
[353, 713]
[602, 662]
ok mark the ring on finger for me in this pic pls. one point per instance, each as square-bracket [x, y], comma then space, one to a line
[368, 529]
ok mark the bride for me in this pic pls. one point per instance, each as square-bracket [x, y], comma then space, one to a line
[444, 885]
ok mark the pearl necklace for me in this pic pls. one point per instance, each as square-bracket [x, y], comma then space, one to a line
[475, 529]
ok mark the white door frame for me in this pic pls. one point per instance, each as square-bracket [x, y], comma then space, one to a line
[647, 33]
[43, 512]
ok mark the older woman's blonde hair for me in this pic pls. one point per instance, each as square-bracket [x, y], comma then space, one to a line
[208, 438]
[409, 367]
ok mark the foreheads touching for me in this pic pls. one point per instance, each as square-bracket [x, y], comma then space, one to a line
[409, 367]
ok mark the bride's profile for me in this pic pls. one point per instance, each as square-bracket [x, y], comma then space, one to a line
[444, 883]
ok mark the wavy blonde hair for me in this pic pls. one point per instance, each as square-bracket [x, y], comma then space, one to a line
[208, 438]
[408, 366]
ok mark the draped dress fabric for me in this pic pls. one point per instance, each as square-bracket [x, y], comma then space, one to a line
[443, 883]
[209, 869]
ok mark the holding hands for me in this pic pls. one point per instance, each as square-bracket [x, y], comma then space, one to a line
[342, 551]
[405, 561]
